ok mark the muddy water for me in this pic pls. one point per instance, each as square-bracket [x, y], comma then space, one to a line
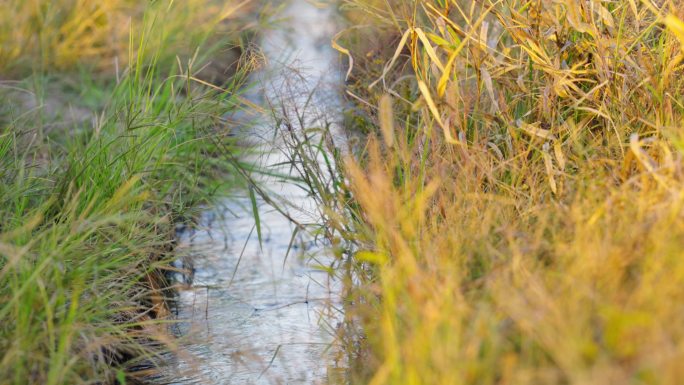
[262, 312]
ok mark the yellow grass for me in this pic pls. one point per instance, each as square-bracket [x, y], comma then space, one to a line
[525, 224]
[61, 34]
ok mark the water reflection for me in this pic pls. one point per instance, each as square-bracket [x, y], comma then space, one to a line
[256, 312]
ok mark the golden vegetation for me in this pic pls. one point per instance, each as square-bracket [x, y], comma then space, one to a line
[45, 34]
[523, 223]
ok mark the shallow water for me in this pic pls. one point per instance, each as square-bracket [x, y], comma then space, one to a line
[260, 313]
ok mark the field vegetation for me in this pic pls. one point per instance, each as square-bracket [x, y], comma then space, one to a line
[514, 213]
[110, 134]
[517, 211]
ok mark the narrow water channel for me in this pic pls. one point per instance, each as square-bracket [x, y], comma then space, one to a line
[261, 312]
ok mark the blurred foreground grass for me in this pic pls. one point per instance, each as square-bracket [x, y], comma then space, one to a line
[518, 208]
[63, 34]
[107, 138]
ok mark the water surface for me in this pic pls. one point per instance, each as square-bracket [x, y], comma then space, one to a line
[261, 312]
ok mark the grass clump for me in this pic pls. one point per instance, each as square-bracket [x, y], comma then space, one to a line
[520, 220]
[96, 166]
[60, 35]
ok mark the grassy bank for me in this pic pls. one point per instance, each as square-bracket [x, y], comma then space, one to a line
[109, 134]
[517, 209]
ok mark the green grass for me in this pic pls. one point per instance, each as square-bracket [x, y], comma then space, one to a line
[96, 167]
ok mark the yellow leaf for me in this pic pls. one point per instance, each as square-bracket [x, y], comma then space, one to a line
[397, 52]
[440, 41]
[533, 130]
[676, 26]
[575, 17]
[428, 48]
[606, 16]
[343, 51]
[441, 85]
[558, 151]
[435, 112]
[548, 164]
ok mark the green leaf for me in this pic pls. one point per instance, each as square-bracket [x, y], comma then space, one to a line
[255, 212]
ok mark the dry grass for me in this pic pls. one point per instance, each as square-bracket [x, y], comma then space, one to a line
[59, 35]
[523, 222]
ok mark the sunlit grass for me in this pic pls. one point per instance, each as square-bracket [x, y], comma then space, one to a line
[59, 35]
[521, 220]
[107, 139]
